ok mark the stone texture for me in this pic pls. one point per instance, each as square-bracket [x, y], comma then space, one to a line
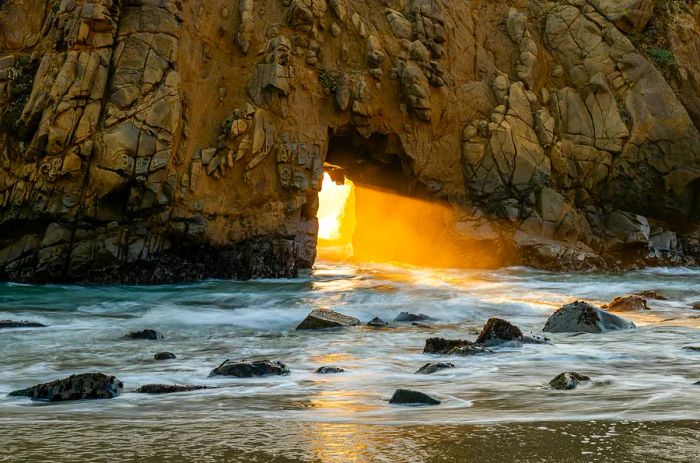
[250, 369]
[75, 387]
[150, 335]
[581, 317]
[567, 381]
[320, 319]
[453, 347]
[430, 368]
[328, 370]
[497, 331]
[629, 303]
[20, 324]
[155, 141]
[168, 388]
[164, 356]
[408, 397]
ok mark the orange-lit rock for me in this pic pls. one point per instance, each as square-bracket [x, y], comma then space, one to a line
[183, 140]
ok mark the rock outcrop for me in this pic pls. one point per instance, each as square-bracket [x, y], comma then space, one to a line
[150, 335]
[146, 141]
[459, 347]
[581, 317]
[408, 397]
[75, 387]
[168, 388]
[567, 381]
[630, 303]
[320, 319]
[406, 317]
[430, 368]
[164, 356]
[20, 324]
[328, 370]
[250, 369]
[498, 331]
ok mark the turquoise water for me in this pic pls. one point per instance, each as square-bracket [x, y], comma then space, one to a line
[642, 379]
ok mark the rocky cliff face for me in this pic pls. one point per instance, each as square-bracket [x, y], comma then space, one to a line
[158, 140]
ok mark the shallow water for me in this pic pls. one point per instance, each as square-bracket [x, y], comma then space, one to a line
[643, 379]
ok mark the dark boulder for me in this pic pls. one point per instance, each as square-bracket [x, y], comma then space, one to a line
[164, 356]
[696, 306]
[408, 397]
[631, 303]
[568, 380]
[377, 322]
[250, 369]
[169, 388]
[151, 335]
[75, 387]
[692, 348]
[497, 331]
[20, 324]
[405, 317]
[320, 319]
[581, 317]
[453, 347]
[328, 370]
[430, 368]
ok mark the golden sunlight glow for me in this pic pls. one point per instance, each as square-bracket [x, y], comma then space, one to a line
[333, 200]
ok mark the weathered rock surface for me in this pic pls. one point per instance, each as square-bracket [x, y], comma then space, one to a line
[581, 317]
[168, 388]
[453, 347]
[405, 317]
[250, 369]
[408, 397]
[567, 381]
[164, 356]
[651, 294]
[430, 368]
[497, 331]
[320, 319]
[377, 322]
[150, 335]
[696, 306]
[629, 303]
[20, 324]
[75, 387]
[558, 134]
[327, 370]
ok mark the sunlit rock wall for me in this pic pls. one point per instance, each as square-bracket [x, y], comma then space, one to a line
[158, 140]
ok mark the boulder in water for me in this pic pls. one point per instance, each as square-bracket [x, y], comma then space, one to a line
[169, 388]
[531, 338]
[75, 387]
[581, 317]
[20, 324]
[405, 317]
[320, 319]
[328, 370]
[164, 356]
[408, 397]
[250, 369]
[651, 294]
[631, 303]
[696, 306]
[430, 368]
[568, 380]
[692, 348]
[453, 347]
[151, 335]
[377, 322]
[497, 331]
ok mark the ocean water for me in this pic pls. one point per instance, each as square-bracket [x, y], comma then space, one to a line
[642, 404]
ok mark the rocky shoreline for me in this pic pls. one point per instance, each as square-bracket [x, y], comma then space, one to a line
[575, 318]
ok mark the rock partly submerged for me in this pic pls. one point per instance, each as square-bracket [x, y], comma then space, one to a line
[581, 317]
[630, 303]
[652, 294]
[329, 370]
[250, 369]
[459, 347]
[164, 356]
[150, 335]
[377, 322]
[75, 387]
[408, 397]
[406, 317]
[568, 380]
[430, 368]
[20, 324]
[320, 319]
[497, 331]
[169, 388]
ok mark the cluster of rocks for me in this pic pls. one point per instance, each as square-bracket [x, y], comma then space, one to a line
[577, 317]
